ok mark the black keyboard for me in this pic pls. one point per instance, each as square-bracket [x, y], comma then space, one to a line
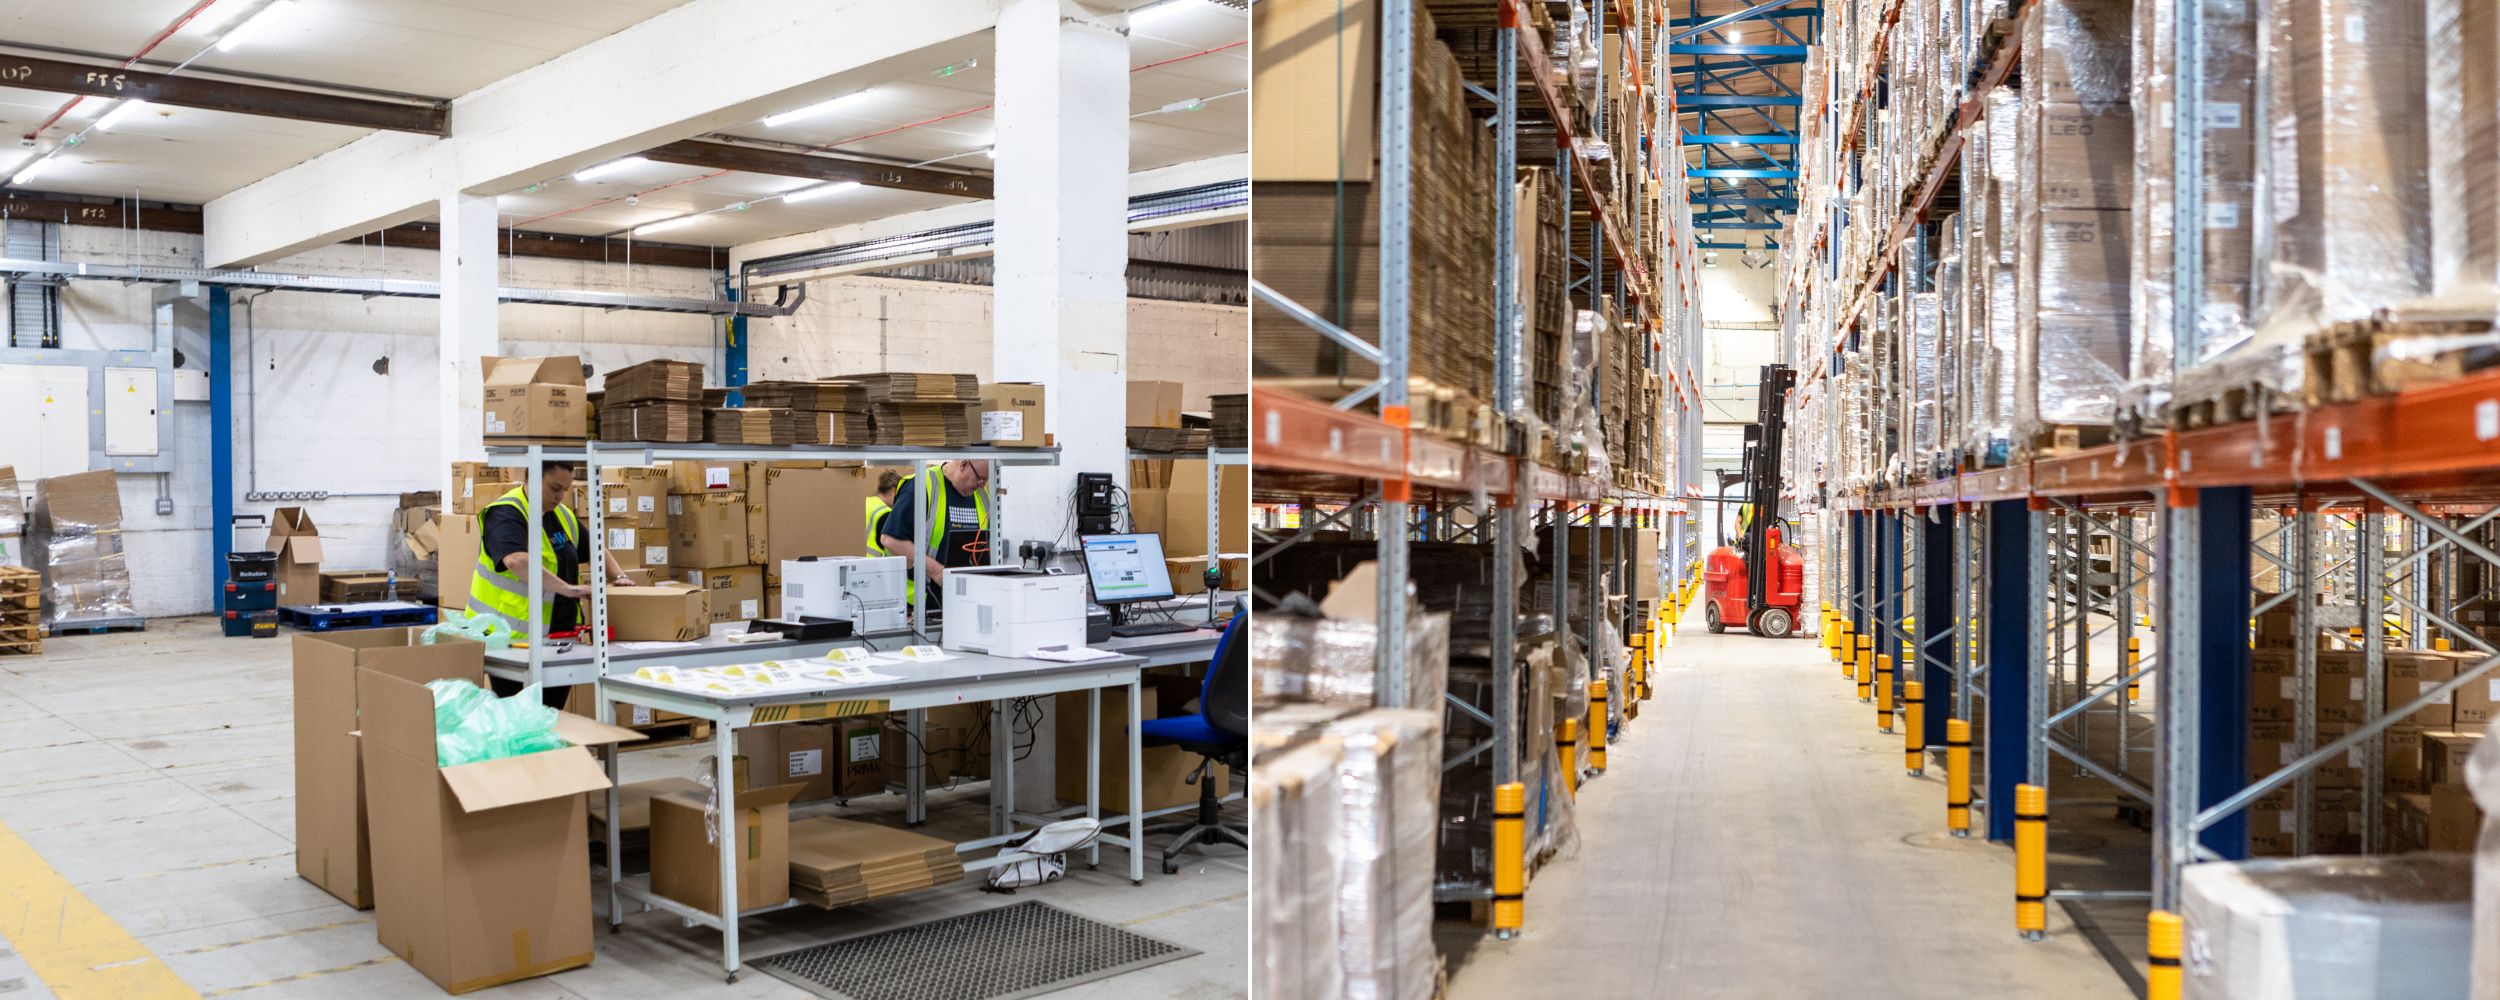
[1142, 629]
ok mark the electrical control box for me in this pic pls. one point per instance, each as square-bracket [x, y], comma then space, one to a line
[130, 405]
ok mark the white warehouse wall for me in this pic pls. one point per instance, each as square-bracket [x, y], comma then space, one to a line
[325, 420]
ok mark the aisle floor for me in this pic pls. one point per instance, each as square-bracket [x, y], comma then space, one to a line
[153, 772]
[1755, 836]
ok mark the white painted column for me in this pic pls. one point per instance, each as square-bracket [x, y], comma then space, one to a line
[467, 315]
[1062, 256]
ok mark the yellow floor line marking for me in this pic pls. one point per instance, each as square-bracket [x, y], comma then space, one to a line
[301, 976]
[74, 949]
[316, 928]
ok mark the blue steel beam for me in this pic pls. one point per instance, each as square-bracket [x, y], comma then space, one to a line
[1689, 98]
[1716, 139]
[1747, 65]
[1740, 172]
[1771, 226]
[2008, 677]
[1789, 203]
[220, 440]
[1723, 20]
[1785, 12]
[1766, 245]
[1735, 49]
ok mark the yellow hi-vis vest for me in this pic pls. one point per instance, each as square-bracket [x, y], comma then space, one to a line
[495, 592]
[877, 510]
[936, 547]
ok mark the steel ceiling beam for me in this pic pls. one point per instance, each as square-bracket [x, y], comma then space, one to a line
[1723, 20]
[754, 160]
[206, 94]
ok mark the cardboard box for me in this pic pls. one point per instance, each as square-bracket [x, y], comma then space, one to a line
[534, 399]
[714, 476]
[1165, 768]
[707, 531]
[2270, 748]
[2444, 756]
[665, 612]
[1188, 574]
[1150, 509]
[481, 872]
[2408, 822]
[2410, 676]
[860, 743]
[1185, 518]
[355, 585]
[1012, 415]
[637, 498]
[799, 754]
[1316, 67]
[2402, 747]
[332, 849]
[633, 802]
[2087, 156]
[1154, 404]
[476, 484]
[2478, 701]
[2455, 821]
[293, 536]
[940, 745]
[456, 561]
[737, 591]
[685, 862]
[816, 512]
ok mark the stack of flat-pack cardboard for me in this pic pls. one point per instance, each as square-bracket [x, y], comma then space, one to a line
[653, 401]
[76, 539]
[816, 396]
[840, 862]
[748, 425]
[919, 408]
[1231, 425]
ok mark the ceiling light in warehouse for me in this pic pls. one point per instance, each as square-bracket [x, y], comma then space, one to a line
[21, 160]
[1735, 36]
[951, 69]
[120, 111]
[610, 168]
[819, 191]
[812, 110]
[667, 224]
[275, 12]
[33, 169]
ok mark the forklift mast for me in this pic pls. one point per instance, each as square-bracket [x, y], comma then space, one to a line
[1763, 440]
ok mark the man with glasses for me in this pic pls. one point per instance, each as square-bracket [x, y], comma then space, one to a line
[957, 495]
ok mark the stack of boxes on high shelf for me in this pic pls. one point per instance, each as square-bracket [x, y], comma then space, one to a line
[1169, 496]
[1318, 240]
[2427, 804]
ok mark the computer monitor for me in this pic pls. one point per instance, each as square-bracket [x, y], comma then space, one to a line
[1126, 569]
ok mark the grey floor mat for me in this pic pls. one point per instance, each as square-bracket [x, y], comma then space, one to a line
[1021, 950]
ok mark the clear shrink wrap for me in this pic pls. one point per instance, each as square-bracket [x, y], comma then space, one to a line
[2228, 105]
[1389, 784]
[2342, 227]
[2482, 778]
[1329, 661]
[1926, 392]
[2464, 99]
[75, 538]
[2077, 137]
[2329, 928]
[1294, 797]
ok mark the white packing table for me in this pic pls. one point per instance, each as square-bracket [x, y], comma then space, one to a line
[579, 663]
[968, 677]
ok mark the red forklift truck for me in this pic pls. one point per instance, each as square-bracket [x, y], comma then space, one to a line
[1767, 602]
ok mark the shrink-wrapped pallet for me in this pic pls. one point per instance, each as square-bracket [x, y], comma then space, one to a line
[1329, 661]
[1294, 796]
[2227, 103]
[2328, 928]
[1389, 782]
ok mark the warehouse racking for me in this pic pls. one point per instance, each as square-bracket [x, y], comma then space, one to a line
[1383, 477]
[2065, 550]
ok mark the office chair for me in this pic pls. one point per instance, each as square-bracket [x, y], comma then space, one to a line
[1219, 732]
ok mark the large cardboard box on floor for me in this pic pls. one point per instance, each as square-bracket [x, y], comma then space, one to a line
[707, 531]
[1011, 415]
[481, 873]
[663, 612]
[456, 559]
[297, 541]
[799, 754]
[1154, 404]
[534, 399]
[685, 860]
[331, 847]
[1165, 769]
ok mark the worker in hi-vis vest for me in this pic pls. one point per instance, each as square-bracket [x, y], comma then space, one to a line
[497, 587]
[879, 506]
[959, 521]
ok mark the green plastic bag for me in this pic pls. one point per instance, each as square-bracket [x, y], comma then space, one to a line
[487, 629]
[471, 725]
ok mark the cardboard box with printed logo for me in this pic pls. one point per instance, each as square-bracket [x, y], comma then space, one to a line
[800, 753]
[1011, 415]
[534, 399]
[860, 743]
[688, 476]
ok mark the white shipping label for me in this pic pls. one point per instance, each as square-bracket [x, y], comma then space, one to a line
[1002, 425]
[806, 763]
[645, 505]
[2223, 114]
[676, 505]
[2447, 698]
[2222, 215]
[2352, 757]
[746, 608]
[2283, 753]
[642, 715]
[2356, 691]
[2286, 149]
[494, 424]
[2487, 420]
[655, 555]
[2495, 690]
[716, 477]
[2291, 689]
[2356, 28]
[621, 538]
[2164, 115]
[864, 747]
[617, 505]
[2287, 818]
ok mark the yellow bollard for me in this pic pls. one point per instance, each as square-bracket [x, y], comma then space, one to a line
[2135, 654]
[1866, 670]
[1883, 693]
[2031, 861]
[1567, 749]
[1914, 728]
[1510, 850]
[1597, 727]
[1843, 641]
[2164, 933]
[1957, 776]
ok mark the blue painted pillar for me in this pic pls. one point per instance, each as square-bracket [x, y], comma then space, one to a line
[2008, 610]
[1888, 595]
[220, 440]
[1857, 571]
[1937, 576]
[734, 347]
[2222, 573]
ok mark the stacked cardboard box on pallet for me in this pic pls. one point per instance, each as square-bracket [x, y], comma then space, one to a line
[2073, 298]
[2423, 751]
[76, 539]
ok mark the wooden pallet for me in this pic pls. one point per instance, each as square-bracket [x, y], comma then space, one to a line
[2063, 439]
[2368, 357]
[335, 617]
[2238, 404]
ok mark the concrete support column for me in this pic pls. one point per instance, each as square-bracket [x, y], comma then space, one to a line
[467, 314]
[1062, 259]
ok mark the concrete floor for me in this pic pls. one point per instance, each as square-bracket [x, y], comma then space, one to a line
[1755, 836]
[153, 771]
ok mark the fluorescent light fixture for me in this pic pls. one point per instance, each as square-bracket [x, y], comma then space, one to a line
[992, 151]
[819, 191]
[616, 166]
[951, 69]
[120, 111]
[667, 224]
[1735, 36]
[276, 11]
[1159, 10]
[33, 169]
[20, 160]
[1190, 104]
[812, 110]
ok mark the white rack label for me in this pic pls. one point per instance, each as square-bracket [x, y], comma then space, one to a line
[2487, 420]
[806, 763]
[716, 477]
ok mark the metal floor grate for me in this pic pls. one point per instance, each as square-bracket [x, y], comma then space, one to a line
[1023, 950]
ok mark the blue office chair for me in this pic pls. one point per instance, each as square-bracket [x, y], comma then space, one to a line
[1219, 732]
